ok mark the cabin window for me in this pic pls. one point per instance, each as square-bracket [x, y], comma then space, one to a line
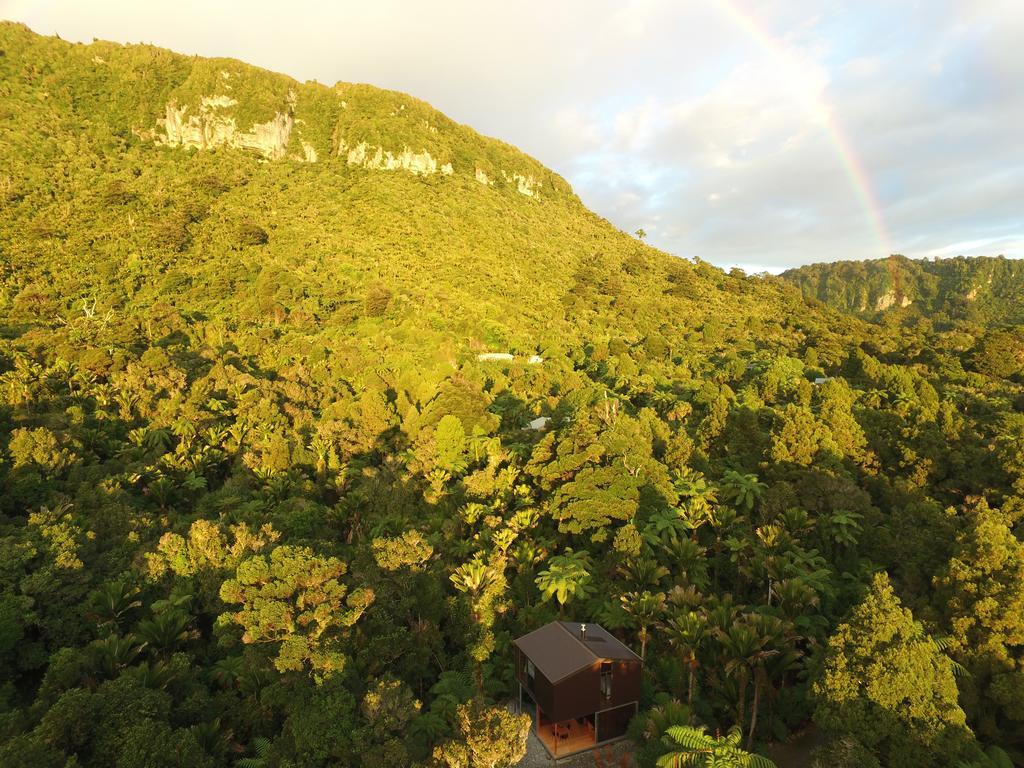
[529, 673]
[606, 679]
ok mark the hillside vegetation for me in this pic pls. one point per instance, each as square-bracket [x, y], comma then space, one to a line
[983, 290]
[263, 505]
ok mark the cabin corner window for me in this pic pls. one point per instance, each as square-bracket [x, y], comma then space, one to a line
[606, 679]
[529, 673]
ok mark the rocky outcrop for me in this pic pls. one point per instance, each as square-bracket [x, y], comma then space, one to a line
[525, 185]
[213, 126]
[377, 158]
[889, 299]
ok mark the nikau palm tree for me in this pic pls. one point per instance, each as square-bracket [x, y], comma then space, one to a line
[112, 602]
[746, 649]
[744, 489]
[473, 578]
[687, 633]
[567, 576]
[643, 572]
[700, 497]
[645, 609]
[165, 631]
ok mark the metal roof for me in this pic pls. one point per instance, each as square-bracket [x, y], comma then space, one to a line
[559, 649]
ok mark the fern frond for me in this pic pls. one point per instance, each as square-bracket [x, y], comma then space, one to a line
[691, 738]
[262, 746]
[998, 757]
[959, 670]
[679, 759]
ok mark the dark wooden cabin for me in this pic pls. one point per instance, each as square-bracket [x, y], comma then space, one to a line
[579, 683]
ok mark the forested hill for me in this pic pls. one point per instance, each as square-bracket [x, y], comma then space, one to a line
[263, 503]
[977, 289]
[398, 225]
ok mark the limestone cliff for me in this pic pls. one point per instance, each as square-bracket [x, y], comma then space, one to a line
[377, 158]
[891, 299]
[212, 125]
[525, 185]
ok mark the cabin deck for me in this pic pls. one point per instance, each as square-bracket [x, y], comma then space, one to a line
[574, 737]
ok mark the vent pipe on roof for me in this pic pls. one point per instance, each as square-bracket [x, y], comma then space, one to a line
[583, 631]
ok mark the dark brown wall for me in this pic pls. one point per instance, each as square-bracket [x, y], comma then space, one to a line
[625, 683]
[543, 692]
[580, 694]
[615, 722]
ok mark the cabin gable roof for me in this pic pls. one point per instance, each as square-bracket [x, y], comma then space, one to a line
[559, 649]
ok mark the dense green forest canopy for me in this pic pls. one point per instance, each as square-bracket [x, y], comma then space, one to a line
[263, 503]
[983, 290]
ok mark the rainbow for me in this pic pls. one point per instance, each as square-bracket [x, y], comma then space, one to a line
[860, 180]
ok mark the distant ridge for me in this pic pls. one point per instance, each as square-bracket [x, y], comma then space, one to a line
[988, 289]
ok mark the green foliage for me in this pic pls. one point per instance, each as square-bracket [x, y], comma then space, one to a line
[262, 500]
[410, 550]
[451, 444]
[692, 746]
[566, 577]
[888, 685]
[982, 594]
[999, 354]
[295, 599]
[487, 737]
[252, 234]
[797, 437]
[987, 289]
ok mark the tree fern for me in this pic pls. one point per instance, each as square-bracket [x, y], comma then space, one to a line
[261, 747]
[695, 747]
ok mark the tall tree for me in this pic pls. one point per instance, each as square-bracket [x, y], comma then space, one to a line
[887, 684]
[982, 592]
[745, 648]
[486, 737]
[687, 631]
[645, 609]
[295, 599]
[483, 583]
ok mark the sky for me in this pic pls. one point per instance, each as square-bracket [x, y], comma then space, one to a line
[760, 134]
